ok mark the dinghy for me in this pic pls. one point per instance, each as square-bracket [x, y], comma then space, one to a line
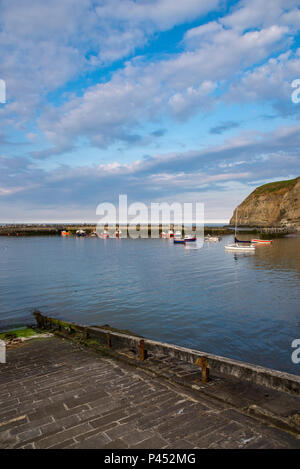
[261, 241]
[179, 241]
[215, 239]
[190, 238]
[80, 233]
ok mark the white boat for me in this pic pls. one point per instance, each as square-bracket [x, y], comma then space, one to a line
[94, 235]
[190, 238]
[240, 247]
[178, 235]
[215, 239]
[80, 233]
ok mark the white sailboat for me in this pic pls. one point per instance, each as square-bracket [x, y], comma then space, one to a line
[238, 246]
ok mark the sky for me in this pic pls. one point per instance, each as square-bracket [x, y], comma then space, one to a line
[161, 100]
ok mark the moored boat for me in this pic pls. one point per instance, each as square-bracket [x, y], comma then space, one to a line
[190, 238]
[179, 241]
[105, 234]
[261, 241]
[215, 239]
[65, 233]
[240, 247]
[80, 233]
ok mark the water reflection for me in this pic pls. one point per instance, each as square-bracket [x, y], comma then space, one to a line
[241, 305]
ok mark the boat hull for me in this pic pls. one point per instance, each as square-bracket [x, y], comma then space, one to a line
[190, 240]
[236, 247]
[261, 241]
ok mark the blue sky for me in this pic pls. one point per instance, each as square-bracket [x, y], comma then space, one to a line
[161, 100]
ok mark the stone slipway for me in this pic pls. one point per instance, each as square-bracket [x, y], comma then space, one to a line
[54, 393]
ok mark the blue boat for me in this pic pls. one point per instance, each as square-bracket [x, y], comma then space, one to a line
[189, 239]
[179, 241]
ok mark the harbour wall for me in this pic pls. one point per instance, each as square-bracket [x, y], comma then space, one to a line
[113, 340]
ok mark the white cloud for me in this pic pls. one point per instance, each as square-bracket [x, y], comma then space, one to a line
[43, 45]
[270, 82]
[259, 13]
[162, 13]
[142, 91]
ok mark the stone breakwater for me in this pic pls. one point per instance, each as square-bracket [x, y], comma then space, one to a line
[55, 230]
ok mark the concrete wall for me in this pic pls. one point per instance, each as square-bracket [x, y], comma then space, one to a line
[244, 371]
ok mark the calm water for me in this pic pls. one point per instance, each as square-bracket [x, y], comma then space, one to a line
[237, 305]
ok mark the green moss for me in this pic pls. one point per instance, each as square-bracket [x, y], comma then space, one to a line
[26, 332]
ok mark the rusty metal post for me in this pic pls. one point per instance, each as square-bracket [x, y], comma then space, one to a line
[142, 350]
[202, 361]
[85, 333]
[108, 338]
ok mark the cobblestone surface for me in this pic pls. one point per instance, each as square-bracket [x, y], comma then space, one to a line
[56, 395]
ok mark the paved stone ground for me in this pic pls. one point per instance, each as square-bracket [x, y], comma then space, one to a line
[55, 395]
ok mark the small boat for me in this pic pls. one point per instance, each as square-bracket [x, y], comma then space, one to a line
[240, 247]
[94, 234]
[80, 233]
[190, 238]
[65, 233]
[261, 241]
[215, 239]
[105, 234]
[178, 235]
[179, 241]
[170, 234]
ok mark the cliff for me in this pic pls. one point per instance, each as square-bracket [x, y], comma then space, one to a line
[276, 204]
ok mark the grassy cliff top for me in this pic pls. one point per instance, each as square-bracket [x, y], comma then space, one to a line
[277, 186]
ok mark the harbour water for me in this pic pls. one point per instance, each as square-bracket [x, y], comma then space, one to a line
[243, 306]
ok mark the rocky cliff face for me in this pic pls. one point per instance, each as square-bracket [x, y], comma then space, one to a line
[273, 205]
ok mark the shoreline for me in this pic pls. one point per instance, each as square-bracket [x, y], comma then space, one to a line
[21, 230]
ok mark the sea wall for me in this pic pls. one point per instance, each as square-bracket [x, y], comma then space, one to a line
[115, 340]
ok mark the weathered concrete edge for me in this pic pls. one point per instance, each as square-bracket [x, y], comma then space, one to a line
[267, 377]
